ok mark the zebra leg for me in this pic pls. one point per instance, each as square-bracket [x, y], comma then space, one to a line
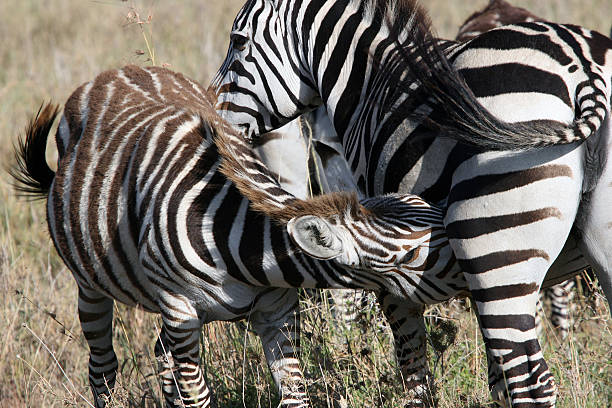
[181, 325]
[96, 317]
[560, 297]
[518, 373]
[279, 331]
[509, 216]
[348, 305]
[539, 316]
[167, 369]
[408, 327]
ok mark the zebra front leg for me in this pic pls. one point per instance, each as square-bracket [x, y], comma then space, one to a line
[408, 327]
[96, 317]
[181, 326]
[167, 369]
[279, 331]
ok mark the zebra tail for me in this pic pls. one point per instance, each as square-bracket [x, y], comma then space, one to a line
[465, 119]
[240, 164]
[462, 117]
[32, 176]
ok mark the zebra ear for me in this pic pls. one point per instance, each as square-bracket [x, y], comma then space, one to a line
[315, 237]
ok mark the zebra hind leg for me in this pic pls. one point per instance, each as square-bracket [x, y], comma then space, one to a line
[167, 370]
[279, 331]
[515, 359]
[181, 329]
[408, 327]
[96, 317]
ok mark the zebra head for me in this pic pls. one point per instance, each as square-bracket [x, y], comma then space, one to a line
[262, 83]
[287, 57]
[395, 238]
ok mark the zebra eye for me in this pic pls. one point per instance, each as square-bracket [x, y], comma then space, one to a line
[409, 257]
[239, 41]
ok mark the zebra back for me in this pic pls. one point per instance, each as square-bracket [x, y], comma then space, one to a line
[401, 50]
[496, 14]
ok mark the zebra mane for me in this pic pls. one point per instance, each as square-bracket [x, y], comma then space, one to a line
[240, 165]
[419, 57]
[405, 16]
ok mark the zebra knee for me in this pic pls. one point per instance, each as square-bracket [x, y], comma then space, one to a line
[518, 374]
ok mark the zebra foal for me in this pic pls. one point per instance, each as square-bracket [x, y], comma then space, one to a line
[141, 213]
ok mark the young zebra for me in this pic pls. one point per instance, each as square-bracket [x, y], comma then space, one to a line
[510, 213]
[140, 213]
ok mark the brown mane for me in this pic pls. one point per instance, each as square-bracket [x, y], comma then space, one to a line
[240, 165]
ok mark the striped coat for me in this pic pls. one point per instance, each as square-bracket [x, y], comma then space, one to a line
[141, 213]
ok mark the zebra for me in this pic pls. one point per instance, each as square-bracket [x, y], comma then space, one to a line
[237, 165]
[519, 187]
[322, 168]
[141, 213]
[305, 156]
[496, 14]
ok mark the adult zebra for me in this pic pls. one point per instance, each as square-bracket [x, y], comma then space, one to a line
[140, 213]
[495, 14]
[509, 213]
[316, 164]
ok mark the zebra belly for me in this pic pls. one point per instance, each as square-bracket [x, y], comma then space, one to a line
[594, 224]
[569, 263]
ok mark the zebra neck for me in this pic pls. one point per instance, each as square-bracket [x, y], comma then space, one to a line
[360, 95]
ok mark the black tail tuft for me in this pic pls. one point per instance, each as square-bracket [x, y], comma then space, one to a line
[31, 173]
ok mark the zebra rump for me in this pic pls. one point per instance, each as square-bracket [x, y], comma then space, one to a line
[462, 116]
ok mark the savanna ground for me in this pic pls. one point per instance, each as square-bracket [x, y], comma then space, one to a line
[47, 48]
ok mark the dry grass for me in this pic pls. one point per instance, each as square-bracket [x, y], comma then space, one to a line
[48, 48]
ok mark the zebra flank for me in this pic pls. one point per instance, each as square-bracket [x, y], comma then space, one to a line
[141, 213]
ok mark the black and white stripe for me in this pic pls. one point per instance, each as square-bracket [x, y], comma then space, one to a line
[141, 213]
[509, 213]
